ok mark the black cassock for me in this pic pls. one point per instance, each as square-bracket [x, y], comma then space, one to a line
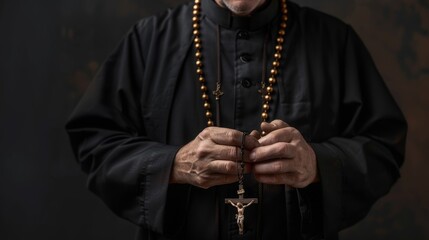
[146, 102]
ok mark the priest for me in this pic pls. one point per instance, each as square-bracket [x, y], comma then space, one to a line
[220, 105]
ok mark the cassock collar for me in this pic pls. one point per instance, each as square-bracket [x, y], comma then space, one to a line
[225, 18]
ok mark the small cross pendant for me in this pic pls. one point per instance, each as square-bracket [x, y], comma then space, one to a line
[218, 92]
[240, 203]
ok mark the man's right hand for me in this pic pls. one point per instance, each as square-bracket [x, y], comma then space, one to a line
[211, 158]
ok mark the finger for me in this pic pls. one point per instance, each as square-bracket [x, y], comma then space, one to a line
[274, 125]
[255, 134]
[280, 150]
[228, 153]
[223, 167]
[251, 142]
[214, 180]
[290, 179]
[229, 137]
[286, 134]
[228, 167]
[221, 152]
[274, 167]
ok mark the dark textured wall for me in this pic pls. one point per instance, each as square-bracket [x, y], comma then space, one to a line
[50, 50]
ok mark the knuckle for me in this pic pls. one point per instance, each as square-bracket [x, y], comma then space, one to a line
[230, 135]
[205, 133]
[225, 168]
[294, 132]
[228, 167]
[278, 167]
[201, 151]
[283, 148]
[202, 183]
[198, 181]
[234, 152]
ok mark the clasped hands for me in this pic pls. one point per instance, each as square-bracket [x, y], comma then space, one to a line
[282, 156]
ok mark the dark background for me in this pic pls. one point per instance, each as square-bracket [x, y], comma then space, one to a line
[51, 49]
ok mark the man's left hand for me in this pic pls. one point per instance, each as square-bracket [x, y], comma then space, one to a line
[284, 157]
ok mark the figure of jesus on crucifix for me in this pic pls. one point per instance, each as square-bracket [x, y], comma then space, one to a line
[240, 213]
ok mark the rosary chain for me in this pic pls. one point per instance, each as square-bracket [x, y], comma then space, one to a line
[199, 62]
[268, 91]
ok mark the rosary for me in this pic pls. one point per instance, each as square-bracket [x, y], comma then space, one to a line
[241, 202]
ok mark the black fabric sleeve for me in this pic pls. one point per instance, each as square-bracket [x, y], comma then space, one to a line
[126, 169]
[361, 164]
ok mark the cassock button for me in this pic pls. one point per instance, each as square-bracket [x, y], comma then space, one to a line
[247, 83]
[245, 58]
[243, 35]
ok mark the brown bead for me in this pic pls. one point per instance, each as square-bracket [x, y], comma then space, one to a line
[196, 32]
[274, 71]
[279, 47]
[270, 89]
[195, 12]
[198, 54]
[208, 114]
[267, 97]
[282, 32]
[264, 115]
[197, 40]
[196, 7]
[276, 64]
[199, 71]
[196, 26]
[266, 107]
[203, 88]
[280, 40]
[205, 96]
[198, 45]
[195, 19]
[284, 11]
[202, 79]
[210, 123]
[197, 1]
[207, 105]
[272, 80]
[277, 56]
[199, 63]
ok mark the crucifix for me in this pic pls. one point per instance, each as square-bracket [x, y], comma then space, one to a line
[241, 203]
